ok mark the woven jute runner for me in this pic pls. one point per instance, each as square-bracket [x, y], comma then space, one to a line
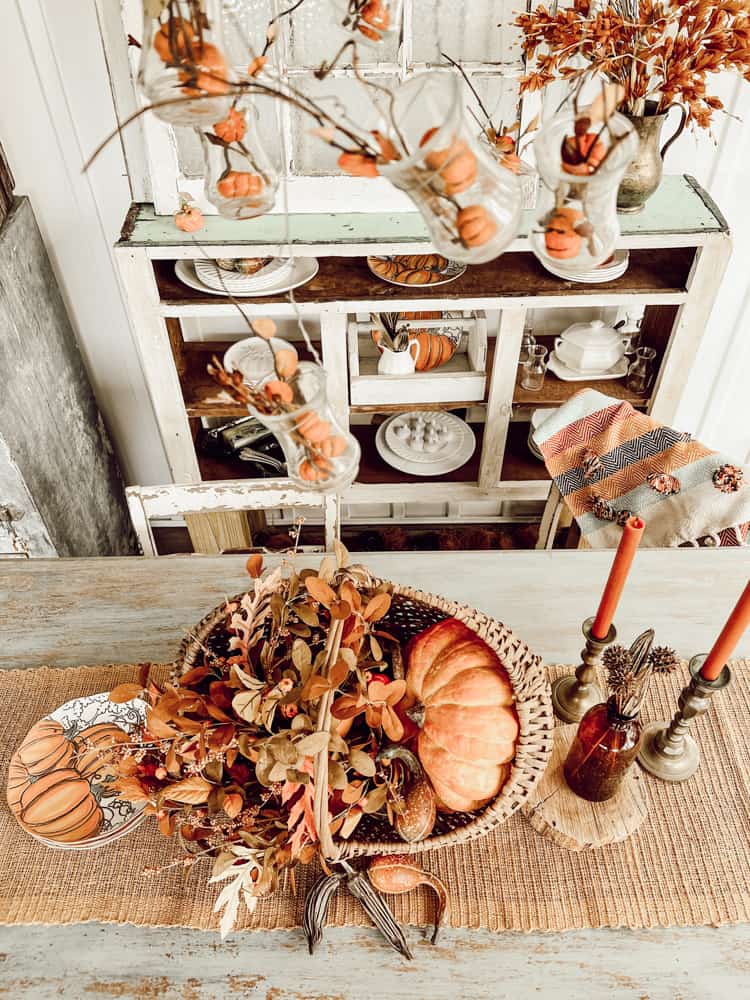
[688, 864]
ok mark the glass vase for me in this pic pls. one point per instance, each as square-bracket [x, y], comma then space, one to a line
[577, 226]
[183, 70]
[604, 747]
[471, 205]
[241, 182]
[320, 454]
[641, 372]
[369, 21]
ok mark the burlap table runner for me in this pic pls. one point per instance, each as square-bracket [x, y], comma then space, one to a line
[688, 864]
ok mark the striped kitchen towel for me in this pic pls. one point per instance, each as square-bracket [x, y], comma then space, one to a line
[610, 461]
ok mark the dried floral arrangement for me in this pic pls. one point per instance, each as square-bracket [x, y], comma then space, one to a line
[629, 672]
[660, 51]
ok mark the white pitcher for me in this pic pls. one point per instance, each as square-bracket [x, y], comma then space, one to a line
[398, 362]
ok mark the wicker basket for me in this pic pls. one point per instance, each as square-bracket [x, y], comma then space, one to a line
[412, 611]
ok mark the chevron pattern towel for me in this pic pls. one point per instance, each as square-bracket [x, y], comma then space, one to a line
[609, 461]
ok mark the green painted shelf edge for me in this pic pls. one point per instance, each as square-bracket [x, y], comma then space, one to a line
[680, 206]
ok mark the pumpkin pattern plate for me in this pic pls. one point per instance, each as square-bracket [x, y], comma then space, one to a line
[410, 270]
[71, 781]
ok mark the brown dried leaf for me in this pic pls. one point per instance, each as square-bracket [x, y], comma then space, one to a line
[376, 649]
[192, 791]
[392, 725]
[362, 763]
[339, 672]
[340, 610]
[319, 591]
[327, 569]
[342, 553]
[166, 822]
[125, 692]
[377, 607]
[375, 799]
[352, 792]
[233, 804]
[346, 707]
[336, 775]
[307, 615]
[158, 728]
[301, 655]
[308, 746]
[131, 790]
[350, 823]
[315, 687]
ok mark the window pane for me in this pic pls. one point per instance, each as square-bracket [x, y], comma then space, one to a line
[466, 30]
[316, 36]
[245, 25]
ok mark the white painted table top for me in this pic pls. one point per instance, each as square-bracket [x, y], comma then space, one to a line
[68, 612]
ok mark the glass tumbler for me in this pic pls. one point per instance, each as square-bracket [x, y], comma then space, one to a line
[527, 342]
[641, 371]
[534, 370]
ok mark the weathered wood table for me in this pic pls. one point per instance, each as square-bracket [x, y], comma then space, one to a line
[71, 612]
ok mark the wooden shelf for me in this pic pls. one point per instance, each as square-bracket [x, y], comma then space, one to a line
[519, 465]
[513, 275]
[373, 469]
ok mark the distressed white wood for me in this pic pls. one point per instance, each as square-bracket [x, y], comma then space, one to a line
[550, 519]
[150, 333]
[441, 490]
[150, 503]
[333, 349]
[500, 399]
[703, 286]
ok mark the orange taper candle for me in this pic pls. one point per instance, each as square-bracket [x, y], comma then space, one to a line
[729, 636]
[631, 537]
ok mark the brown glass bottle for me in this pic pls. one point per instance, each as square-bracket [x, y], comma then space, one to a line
[604, 748]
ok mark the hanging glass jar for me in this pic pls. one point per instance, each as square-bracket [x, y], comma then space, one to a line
[471, 205]
[604, 747]
[369, 21]
[240, 179]
[581, 165]
[320, 455]
[183, 69]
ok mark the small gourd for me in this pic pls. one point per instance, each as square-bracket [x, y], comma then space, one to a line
[457, 166]
[416, 818]
[189, 219]
[182, 40]
[233, 127]
[475, 226]
[561, 238]
[396, 874]
[240, 184]
[208, 76]
[583, 154]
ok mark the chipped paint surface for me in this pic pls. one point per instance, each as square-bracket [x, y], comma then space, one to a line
[100, 962]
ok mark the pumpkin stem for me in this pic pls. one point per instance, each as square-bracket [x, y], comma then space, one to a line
[416, 714]
[401, 753]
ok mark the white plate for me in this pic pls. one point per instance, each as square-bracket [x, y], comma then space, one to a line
[451, 447]
[438, 468]
[597, 275]
[305, 269]
[556, 366]
[213, 276]
[252, 357]
[120, 817]
[450, 272]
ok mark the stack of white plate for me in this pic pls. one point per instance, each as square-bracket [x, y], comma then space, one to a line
[274, 272]
[455, 450]
[537, 418]
[614, 268]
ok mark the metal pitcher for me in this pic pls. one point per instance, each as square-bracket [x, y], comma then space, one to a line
[643, 176]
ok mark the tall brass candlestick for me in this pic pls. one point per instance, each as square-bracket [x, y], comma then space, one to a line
[668, 750]
[574, 694]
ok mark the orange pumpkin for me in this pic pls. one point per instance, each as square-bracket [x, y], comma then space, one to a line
[61, 807]
[189, 219]
[94, 748]
[560, 236]
[475, 226]
[233, 127]
[44, 748]
[240, 184]
[582, 154]
[182, 37]
[460, 696]
[457, 166]
[208, 76]
[18, 781]
[358, 164]
[374, 19]
[434, 349]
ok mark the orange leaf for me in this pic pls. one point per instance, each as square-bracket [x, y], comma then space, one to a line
[125, 692]
[392, 725]
[339, 672]
[158, 728]
[395, 691]
[192, 791]
[316, 686]
[340, 610]
[320, 591]
[265, 328]
[131, 790]
[233, 804]
[193, 676]
[254, 565]
[352, 792]
[167, 823]
[346, 707]
[349, 593]
[377, 607]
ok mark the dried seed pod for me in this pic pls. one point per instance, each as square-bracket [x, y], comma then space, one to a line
[417, 818]
[377, 910]
[316, 908]
[395, 874]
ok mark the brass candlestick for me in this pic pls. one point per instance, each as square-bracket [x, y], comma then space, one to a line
[574, 694]
[668, 750]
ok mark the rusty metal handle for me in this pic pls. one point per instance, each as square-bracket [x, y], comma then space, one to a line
[680, 128]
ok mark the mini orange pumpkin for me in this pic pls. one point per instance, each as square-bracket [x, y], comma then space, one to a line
[61, 807]
[358, 164]
[189, 219]
[457, 166]
[19, 780]
[44, 748]
[94, 748]
[374, 19]
[459, 694]
[233, 127]
[240, 184]
[582, 154]
[560, 236]
[475, 226]
[182, 40]
[209, 74]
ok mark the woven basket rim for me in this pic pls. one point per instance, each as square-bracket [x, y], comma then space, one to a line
[533, 702]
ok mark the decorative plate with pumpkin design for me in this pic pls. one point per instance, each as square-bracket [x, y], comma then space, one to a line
[408, 270]
[60, 779]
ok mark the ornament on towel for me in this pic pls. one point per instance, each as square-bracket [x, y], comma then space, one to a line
[604, 510]
[664, 483]
[728, 478]
[592, 465]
